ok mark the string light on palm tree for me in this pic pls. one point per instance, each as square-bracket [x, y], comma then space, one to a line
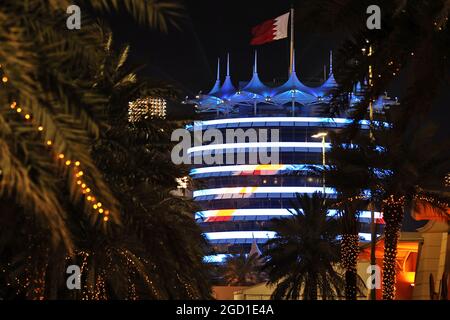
[447, 180]
[75, 165]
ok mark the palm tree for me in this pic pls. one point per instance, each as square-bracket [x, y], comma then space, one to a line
[75, 89]
[404, 167]
[135, 159]
[414, 37]
[243, 270]
[349, 179]
[408, 42]
[301, 261]
[47, 72]
[410, 165]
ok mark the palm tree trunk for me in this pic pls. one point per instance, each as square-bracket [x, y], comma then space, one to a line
[349, 260]
[393, 216]
[313, 290]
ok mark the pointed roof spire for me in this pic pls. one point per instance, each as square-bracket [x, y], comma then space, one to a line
[294, 88]
[216, 87]
[329, 85]
[255, 85]
[227, 89]
[218, 69]
[255, 66]
[331, 61]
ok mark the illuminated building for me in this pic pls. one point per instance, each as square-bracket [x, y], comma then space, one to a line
[147, 108]
[238, 201]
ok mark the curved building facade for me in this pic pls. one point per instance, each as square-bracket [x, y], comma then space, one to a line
[238, 201]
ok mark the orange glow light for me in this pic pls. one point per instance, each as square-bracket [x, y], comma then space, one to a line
[409, 276]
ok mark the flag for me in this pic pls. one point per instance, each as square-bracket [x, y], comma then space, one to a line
[270, 30]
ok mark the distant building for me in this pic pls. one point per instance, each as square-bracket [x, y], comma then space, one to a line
[147, 108]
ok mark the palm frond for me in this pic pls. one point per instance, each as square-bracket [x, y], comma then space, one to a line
[155, 13]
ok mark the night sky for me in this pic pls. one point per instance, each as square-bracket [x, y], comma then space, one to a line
[187, 57]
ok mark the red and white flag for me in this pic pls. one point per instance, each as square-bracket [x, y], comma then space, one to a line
[271, 30]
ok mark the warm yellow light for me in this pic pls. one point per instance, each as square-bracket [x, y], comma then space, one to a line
[13, 105]
[80, 173]
[27, 116]
[79, 182]
[61, 156]
[83, 185]
[89, 198]
[5, 79]
[100, 210]
[49, 142]
[105, 219]
[99, 204]
[77, 163]
[95, 206]
[68, 162]
[88, 190]
[40, 128]
[19, 110]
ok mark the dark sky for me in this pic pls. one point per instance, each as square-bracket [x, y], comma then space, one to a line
[213, 28]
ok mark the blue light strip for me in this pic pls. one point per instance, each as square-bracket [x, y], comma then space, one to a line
[240, 235]
[276, 119]
[252, 190]
[267, 145]
[343, 121]
[270, 212]
[240, 168]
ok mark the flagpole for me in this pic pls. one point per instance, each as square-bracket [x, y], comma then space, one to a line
[292, 41]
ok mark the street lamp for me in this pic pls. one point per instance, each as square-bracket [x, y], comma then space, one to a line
[318, 136]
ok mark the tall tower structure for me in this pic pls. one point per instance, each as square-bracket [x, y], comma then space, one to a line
[238, 201]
